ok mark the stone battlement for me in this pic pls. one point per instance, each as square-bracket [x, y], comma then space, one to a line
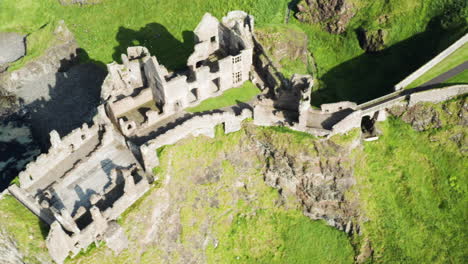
[80, 142]
[92, 175]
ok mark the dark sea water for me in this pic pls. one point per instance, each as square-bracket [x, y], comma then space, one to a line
[17, 148]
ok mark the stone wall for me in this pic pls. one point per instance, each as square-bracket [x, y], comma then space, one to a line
[351, 121]
[438, 95]
[426, 67]
[61, 244]
[120, 107]
[381, 104]
[197, 125]
[221, 60]
[335, 107]
[67, 150]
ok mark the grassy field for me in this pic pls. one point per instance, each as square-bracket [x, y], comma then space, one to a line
[417, 31]
[165, 27]
[242, 94]
[17, 222]
[459, 78]
[414, 188]
[453, 60]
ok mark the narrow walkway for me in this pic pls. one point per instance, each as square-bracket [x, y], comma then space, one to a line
[447, 75]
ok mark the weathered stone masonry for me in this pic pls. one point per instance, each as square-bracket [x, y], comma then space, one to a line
[88, 178]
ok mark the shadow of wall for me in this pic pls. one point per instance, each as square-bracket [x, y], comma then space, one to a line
[372, 75]
[73, 96]
[66, 99]
[170, 52]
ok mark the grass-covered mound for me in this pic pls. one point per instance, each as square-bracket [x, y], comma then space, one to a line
[414, 189]
[416, 31]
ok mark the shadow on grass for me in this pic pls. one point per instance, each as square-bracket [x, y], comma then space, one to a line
[369, 76]
[170, 52]
[44, 228]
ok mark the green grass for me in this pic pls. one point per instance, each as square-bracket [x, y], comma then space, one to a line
[344, 71]
[414, 186]
[280, 237]
[459, 78]
[37, 42]
[17, 222]
[242, 94]
[282, 43]
[456, 58]
[164, 27]
[246, 224]
[32, 18]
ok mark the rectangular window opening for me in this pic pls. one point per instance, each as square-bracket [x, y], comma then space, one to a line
[236, 59]
[237, 77]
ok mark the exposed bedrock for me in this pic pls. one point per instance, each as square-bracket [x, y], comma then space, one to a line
[372, 40]
[423, 116]
[318, 179]
[334, 15]
[9, 253]
[12, 48]
[52, 92]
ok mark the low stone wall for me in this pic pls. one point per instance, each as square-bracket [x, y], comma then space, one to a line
[384, 104]
[351, 121]
[434, 95]
[198, 125]
[62, 149]
[128, 103]
[29, 202]
[438, 95]
[335, 107]
[426, 67]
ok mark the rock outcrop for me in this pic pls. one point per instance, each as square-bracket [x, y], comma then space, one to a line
[9, 253]
[334, 15]
[58, 57]
[422, 117]
[319, 180]
[372, 40]
[12, 47]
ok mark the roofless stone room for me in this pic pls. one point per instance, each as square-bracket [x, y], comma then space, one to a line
[240, 131]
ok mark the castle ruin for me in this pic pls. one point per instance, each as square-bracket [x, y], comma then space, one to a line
[89, 177]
